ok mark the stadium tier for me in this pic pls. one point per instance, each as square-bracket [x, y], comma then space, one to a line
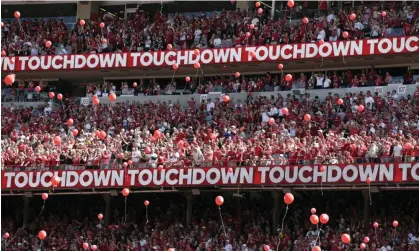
[219, 125]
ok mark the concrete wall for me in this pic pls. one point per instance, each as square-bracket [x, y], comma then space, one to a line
[183, 99]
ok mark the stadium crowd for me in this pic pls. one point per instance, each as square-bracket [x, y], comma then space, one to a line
[71, 221]
[260, 130]
[144, 32]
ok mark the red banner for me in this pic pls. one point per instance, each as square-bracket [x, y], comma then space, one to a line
[216, 176]
[213, 56]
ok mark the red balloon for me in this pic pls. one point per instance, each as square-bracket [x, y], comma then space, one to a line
[125, 164]
[125, 192]
[70, 121]
[219, 200]
[314, 219]
[324, 218]
[17, 14]
[112, 97]
[82, 22]
[75, 132]
[237, 74]
[366, 239]
[157, 134]
[266, 248]
[226, 98]
[352, 16]
[6, 235]
[313, 210]
[102, 25]
[48, 44]
[147, 150]
[102, 135]
[169, 46]
[375, 224]
[55, 181]
[288, 198]
[197, 65]
[252, 54]
[175, 67]
[121, 155]
[408, 146]
[3, 53]
[362, 246]
[247, 34]
[305, 20]
[129, 162]
[340, 101]
[38, 89]
[395, 223]
[316, 248]
[160, 168]
[307, 117]
[94, 247]
[321, 41]
[42, 235]
[100, 216]
[383, 14]
[96, 101]
[85, 245]
[322, 168]
[284, 111]
[59, 96]
[271, 121]
[280, 66]
[257, 4]
[196, 52]
[9, 79]
[230, 170]
[346, 238]
[44, 196]
[290, 3]
[187, 79]
[104, 41]
[288, 77]
[252, 26]
[51, 95]
[345, 34]
[360, 108]
[146, 203]
[260, 11]
[368, 180]
[57, 140]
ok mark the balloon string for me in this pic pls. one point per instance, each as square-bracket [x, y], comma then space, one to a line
[343, 59]
[321, 186]
[125, 210]
[222, 222]
[196, 75]
[173, 76]
[322, 62]
[369, 192]
[146, 213]
[318, 234]
[42, 210]
[283, 219]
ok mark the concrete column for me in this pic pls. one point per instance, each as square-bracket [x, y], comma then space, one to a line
[189, 203]
[26, 208]
[275, 214]
[273, 9]
[84, 9]
[108, 208]
[365, 195]
[242, 5]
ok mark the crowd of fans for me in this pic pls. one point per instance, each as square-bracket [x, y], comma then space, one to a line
[143, 32]
[213, 132]
[70, 222]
